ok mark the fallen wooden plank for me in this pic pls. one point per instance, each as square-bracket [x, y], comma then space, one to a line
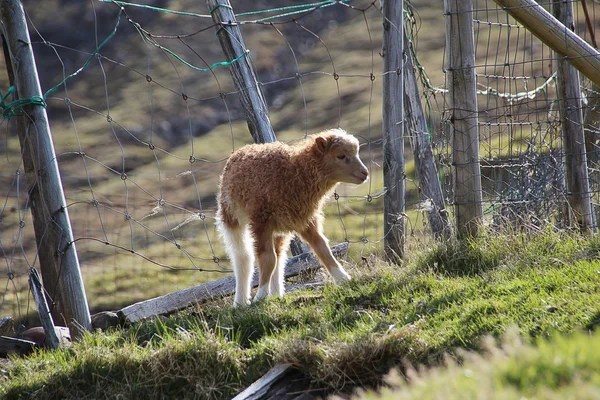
[221, 287]
[282, 382]
[261, 387]
[13, 345]
[35, 283]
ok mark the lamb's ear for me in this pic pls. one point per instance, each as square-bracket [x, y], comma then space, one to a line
[323, 144]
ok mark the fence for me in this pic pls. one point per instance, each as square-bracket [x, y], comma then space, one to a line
[144, 113]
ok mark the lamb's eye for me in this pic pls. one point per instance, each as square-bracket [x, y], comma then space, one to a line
[341, 156]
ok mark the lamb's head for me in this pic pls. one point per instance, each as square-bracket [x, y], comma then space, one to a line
[339, 152]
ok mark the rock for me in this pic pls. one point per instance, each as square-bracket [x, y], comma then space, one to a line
[105, 319]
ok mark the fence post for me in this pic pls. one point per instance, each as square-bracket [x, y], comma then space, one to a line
[419, 138]
[56, 248]
[244, 78]
[242, 72]
[39, 297]
[555, 35]
[461, 85]
[573, 137]
[393, 130]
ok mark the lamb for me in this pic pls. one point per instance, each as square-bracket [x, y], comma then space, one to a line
[269, 191]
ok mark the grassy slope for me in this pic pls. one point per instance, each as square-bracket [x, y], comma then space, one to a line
[341, 337]
[560, 368]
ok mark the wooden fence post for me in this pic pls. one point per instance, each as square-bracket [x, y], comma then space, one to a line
[244, 78]
[573, 138]
[242, 72]
[56, 248]
[461, 84]
[555, 35]
[393, 130]
[419, 138]
[39, 297]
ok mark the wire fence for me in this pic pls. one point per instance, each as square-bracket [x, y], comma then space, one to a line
[144, 115]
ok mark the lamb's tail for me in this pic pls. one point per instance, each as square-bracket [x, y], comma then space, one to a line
[239, 246]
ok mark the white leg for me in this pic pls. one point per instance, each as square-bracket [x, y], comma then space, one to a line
[262, 292]
[339, 274]
[282, 244]
[277, 279]
[239, 247]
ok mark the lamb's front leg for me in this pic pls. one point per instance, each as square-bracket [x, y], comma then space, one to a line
[267, 260]
[320, 245]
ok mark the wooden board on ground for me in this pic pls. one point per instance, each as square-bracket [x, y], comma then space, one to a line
[282, 382]
[221, 287]
[13, 345]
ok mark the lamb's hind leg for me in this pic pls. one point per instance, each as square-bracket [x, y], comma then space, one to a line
[239, 247]
[267, 259]
[282, 242]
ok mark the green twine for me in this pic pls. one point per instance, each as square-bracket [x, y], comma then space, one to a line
[215, 8]
[288, 10]
[305, 8]
[159, 9]
[289, 7]
[16, 107]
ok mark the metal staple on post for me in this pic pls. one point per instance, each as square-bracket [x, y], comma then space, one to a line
[56, 248]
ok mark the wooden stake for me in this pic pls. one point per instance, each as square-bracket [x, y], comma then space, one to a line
[56, 249]
[462, 94]
[573, 137]
[419, 137]
[555, 35]
[393, 130]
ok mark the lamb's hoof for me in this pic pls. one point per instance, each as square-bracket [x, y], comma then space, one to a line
[340, 275]
[237, 303]
[261, 294]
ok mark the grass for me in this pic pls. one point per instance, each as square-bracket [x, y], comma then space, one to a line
[444, 299]
[560, 368]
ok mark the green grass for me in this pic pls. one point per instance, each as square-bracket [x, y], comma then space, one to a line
[560, 368]
[445, 298]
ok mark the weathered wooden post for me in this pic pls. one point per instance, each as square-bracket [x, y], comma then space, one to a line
[56, 248]
[462, 95]
[393, 130]
[573, 137]
[242, 71]
[555, 35]
[35, 285]
[418, 135]
[244, 78]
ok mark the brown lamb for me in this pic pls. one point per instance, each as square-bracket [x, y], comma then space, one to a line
[269, 191]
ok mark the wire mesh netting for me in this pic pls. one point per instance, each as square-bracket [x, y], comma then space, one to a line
[144, 114]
